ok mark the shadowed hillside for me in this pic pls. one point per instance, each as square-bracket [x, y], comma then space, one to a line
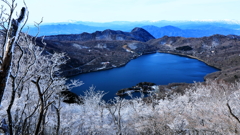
[99, 50]
[88, 51]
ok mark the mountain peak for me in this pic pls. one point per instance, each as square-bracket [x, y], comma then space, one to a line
[137, 29]
[141, 34]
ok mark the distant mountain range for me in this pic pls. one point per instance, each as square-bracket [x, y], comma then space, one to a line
[56, 29]
[157, 29]
[207, 30]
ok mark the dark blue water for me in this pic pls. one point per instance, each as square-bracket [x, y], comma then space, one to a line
[159, 68]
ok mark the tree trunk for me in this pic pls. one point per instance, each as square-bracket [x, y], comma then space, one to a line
[10, 40]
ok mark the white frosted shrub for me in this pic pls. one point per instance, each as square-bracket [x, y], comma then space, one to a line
[206, 108]
[203, 109]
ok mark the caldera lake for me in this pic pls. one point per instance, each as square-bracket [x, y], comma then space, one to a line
[158, 68]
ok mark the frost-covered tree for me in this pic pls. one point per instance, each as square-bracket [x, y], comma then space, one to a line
[29, 79]
[10, 31]
[31, 103]
[210, 108]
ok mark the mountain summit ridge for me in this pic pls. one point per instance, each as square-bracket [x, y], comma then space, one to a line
[138, 34]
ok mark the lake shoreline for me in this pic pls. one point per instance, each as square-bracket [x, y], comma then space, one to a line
[122, 65]
[189, 56]
[158, 68]
[158, 51]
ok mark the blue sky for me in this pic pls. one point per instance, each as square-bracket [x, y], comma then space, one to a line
[131, 10]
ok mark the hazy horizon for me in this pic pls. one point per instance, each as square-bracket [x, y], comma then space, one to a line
[226, 21]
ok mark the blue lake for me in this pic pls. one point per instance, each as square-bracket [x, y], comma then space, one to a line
[158, 68]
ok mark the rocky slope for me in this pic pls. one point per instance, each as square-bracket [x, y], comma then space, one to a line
[108, 49]
[220, 51]
[99, 50]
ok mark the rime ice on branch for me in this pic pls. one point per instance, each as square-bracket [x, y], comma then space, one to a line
[11, 33]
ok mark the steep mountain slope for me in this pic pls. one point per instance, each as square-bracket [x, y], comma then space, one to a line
[99, 50]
